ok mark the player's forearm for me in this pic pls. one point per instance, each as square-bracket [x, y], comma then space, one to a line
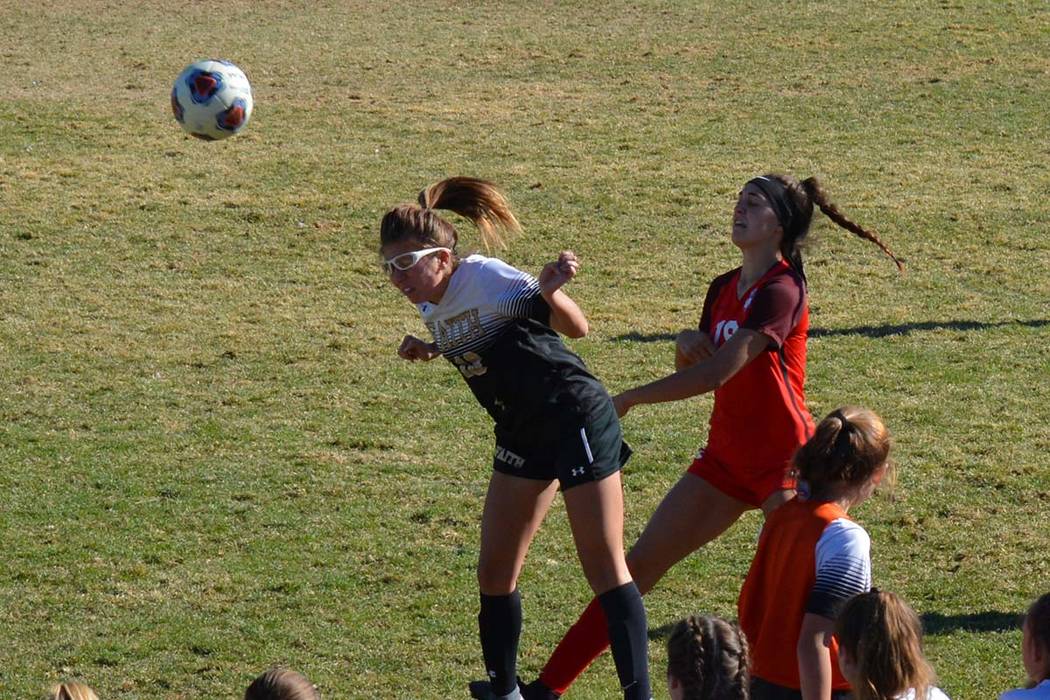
[566, 316]
[691, 381]
[814, 667]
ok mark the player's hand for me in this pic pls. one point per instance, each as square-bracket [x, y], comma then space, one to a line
[692, 346]
[412, 348]
[556, 274]
[622, 403]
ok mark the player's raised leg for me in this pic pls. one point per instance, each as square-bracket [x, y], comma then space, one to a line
[691, 514]
[514, 509]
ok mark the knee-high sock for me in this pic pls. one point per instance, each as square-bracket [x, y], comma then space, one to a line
[499, 625]
[628, 637]
[582, 644]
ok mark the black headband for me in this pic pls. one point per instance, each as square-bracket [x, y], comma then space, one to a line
[777, 194]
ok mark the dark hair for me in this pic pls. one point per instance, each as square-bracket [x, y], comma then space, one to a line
[281, 684]
[882, 635]
[848, 446]
[796, 214]
[471, 198]
[1038, 621]
[708, 656]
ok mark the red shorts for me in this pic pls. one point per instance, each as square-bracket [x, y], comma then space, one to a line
[752, 486]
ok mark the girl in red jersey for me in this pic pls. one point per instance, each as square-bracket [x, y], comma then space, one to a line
[750, 350]
[811, 559]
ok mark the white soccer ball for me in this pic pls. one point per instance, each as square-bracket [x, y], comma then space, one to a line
[212, 99]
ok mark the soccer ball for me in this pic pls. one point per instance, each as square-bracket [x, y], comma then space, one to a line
[212, 100]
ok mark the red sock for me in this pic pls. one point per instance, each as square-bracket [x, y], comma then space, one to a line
[582, 644]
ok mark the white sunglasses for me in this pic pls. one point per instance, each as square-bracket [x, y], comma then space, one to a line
[407, 261]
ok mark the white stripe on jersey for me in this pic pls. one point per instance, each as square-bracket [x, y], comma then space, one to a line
[843, 562]
[483, 297]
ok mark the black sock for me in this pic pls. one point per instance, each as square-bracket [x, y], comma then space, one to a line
[628, 637]
[499, 623]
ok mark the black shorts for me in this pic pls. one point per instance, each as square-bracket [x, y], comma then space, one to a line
[574, 449]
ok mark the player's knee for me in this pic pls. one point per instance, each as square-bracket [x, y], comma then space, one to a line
[496, 580]
[604, 570]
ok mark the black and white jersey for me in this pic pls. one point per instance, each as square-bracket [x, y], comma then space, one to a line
[492, 324]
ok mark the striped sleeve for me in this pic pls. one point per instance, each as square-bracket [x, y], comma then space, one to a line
[519, 293]
[843, 567]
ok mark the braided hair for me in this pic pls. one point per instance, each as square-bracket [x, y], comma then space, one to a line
[793, 202]
[709, 657]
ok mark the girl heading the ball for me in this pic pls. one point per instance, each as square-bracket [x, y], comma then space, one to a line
[555, 424]
[281, 684]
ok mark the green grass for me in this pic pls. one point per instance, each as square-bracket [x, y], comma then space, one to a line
[214, 461]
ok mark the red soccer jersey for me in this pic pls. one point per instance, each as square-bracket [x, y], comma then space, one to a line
[760, 417]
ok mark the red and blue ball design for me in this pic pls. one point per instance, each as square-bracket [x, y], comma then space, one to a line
[212, 99]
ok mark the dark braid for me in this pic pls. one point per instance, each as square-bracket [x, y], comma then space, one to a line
[740, 685]
[793, 202]
[815, 191]
[709, 657]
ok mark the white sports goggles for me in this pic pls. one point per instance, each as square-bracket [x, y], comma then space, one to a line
[407, 261]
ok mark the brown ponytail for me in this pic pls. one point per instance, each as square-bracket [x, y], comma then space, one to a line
[71, 691]
[848, 446]
[474, 199]
[708, 656]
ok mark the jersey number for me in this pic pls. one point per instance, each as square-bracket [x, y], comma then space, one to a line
[469, 365]
[725, 330]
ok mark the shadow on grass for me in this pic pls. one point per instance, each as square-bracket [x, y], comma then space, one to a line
[868, 331]
[936, 623]
[906, 328]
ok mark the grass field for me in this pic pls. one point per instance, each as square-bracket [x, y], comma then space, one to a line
[214, 461]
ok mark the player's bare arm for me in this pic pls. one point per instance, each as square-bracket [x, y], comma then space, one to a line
[566, 316]
[700, 378]
[814, 657]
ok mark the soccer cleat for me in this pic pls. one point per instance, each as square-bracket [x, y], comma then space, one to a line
[482, 690]
[537, 691]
